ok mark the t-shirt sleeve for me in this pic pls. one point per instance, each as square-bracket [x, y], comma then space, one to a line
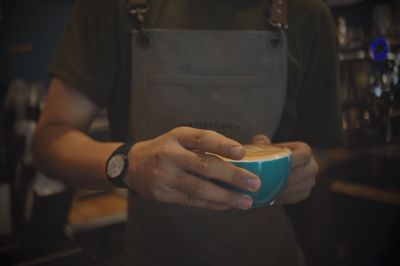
[85, 56]
[318, 110]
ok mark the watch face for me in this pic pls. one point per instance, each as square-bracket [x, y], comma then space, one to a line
[116, 165]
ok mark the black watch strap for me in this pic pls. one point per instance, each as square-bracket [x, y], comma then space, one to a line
[122, 150]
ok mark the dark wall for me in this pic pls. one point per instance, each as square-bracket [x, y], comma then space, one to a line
[29, 32]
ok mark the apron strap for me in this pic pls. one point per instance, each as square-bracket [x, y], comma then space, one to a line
[138, 8]
[278, 17]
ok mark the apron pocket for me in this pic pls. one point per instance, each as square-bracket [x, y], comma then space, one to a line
[236, 106]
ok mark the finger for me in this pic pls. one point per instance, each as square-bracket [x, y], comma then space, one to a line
[191, 201]
[296, 198]
[173, 195]
[295, 177]
[305, 184]
[298, 175]
[260, 139]
[211, 167]
[209, 141]
[206, 190]
[301, 153]
[301, 173]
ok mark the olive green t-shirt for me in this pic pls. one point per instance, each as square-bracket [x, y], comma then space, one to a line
[94, 56]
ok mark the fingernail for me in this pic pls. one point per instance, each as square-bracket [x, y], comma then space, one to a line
[237, 151]
[253, 184]
[245, 202]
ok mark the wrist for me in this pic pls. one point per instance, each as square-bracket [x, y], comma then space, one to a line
[117, 166]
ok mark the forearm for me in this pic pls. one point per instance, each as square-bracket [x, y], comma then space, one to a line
[70, 155]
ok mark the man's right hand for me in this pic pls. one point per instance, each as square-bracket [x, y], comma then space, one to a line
[176, 168]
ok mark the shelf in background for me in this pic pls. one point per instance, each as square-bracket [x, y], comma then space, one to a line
[369, 173]
[366, 192]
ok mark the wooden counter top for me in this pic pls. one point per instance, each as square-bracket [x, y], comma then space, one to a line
[92, 212]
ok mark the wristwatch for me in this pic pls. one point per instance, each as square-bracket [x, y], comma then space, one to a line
[117, 165]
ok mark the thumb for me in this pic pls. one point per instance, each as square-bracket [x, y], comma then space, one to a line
[260, 139]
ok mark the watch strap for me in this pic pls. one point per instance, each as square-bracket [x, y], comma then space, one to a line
[119, 181]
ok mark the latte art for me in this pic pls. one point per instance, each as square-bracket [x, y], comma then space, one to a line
[264, 152]
[261, 152]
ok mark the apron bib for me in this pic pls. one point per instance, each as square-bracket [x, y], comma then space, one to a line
[232, 82]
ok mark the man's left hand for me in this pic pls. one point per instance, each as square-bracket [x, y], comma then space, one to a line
[303, 174]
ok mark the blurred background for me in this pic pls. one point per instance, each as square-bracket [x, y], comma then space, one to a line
[352, 217]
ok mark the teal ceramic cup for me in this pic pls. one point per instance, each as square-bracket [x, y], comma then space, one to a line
[272, 164]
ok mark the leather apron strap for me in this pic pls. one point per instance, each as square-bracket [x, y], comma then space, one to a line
[278, 16]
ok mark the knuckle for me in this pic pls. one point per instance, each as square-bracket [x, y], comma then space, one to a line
[305, 147]
[307, 151]
[221, 141]
[199, 137]
[155, 172]
[158, 159]
[204, 164]
[308, 158]
[236, 177]
[177, 131]
[164, 155]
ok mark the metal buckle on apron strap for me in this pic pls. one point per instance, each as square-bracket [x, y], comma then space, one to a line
[139, 8]
[278, 21]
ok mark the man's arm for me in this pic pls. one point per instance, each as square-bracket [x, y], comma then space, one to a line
[62, 148]
[172, 168]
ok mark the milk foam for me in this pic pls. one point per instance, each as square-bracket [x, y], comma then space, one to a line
[262, 152]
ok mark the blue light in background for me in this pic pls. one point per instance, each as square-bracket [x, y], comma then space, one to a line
[379, 49]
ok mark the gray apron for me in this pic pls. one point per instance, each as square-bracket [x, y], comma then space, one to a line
[233, 82]
[227, 81]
